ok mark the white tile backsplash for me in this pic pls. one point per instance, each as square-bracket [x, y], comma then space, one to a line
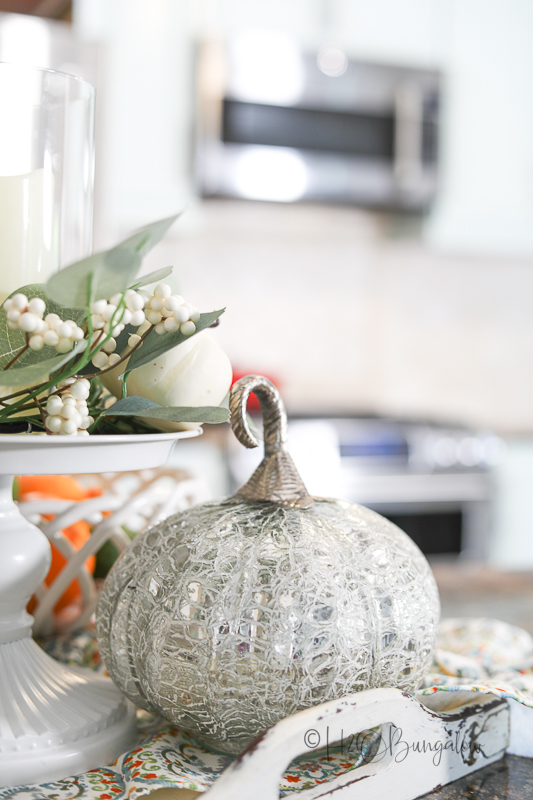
[349, 319]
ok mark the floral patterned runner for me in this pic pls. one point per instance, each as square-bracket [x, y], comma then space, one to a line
[472, 654]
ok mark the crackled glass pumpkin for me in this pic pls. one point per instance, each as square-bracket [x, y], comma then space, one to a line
[235, 614]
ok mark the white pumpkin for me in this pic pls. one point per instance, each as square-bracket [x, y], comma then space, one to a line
[195, 373]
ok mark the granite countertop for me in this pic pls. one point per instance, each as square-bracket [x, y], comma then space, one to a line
[508, 779]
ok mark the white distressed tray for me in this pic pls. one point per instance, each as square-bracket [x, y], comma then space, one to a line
[423, 746]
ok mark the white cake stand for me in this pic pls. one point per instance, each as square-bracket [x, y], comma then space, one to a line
[55, 720]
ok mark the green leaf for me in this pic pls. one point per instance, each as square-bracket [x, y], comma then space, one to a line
[112, 270]
[155, 345]
[212, 415]
[146, 238]
[152, 277]
[130, 405]
[142, 407]
[12, 341]
[33, 373]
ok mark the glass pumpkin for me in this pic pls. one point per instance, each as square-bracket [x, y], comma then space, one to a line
[235, 614]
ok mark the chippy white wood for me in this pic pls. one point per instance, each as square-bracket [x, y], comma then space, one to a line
[55, 720]
[422, 747]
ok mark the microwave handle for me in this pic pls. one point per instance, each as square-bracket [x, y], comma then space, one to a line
[408, 134]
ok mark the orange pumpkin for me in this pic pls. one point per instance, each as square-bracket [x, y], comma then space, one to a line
[62, 487]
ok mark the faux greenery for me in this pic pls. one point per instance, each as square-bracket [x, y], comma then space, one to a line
[42, 361]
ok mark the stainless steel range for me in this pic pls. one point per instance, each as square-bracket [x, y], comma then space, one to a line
[433, 481]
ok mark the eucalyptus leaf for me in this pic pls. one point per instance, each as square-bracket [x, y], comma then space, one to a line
[130, 405]
[142, 407]
[152, 277]
[104, 274]
[12, 341]
[155, 345]
[33, 373]
[99, 276]
[212, 415]
[144, 239]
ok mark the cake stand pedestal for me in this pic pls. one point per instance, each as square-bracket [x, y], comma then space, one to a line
[55, 720]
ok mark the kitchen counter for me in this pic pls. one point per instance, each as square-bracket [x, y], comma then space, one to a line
[508, 779]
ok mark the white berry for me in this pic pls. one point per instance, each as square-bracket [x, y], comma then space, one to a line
[19, 301]
[98, 307]
[125, 319]
[137, 318]
[54, 404]
[53, 321]
[69, 411]
[36, 342]
[170, 324]
[50, 338]
[64, 345]
[54, 424]
[110, 346]
[134, 301]
[68, 427]
[156, 304]
[64, 330]
[113, 359]
[162, 290]
[37, 306]
[28, 322]
[181, 314]
[109, 311]
[99, 360]
[77, 334]
[97, 321]
[188, 328]
[172, 303]
[153, 317]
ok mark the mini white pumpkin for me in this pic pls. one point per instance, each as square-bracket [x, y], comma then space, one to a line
[196, 372]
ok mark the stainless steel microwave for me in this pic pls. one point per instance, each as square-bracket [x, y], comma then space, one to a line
[277, 123]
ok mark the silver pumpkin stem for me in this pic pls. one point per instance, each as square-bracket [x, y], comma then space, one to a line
[276, 480]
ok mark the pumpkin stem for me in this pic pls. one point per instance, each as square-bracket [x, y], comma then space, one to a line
[276, 479]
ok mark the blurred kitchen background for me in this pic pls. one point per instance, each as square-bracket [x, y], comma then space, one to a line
[356, 179]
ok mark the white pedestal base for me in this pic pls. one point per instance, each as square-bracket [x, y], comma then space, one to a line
[56, 720]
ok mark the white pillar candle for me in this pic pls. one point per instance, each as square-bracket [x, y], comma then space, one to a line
[27, 251]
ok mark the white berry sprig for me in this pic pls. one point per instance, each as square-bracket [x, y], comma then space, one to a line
[27, 316]
[162, 311]
[67, 412]
[169, 312]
